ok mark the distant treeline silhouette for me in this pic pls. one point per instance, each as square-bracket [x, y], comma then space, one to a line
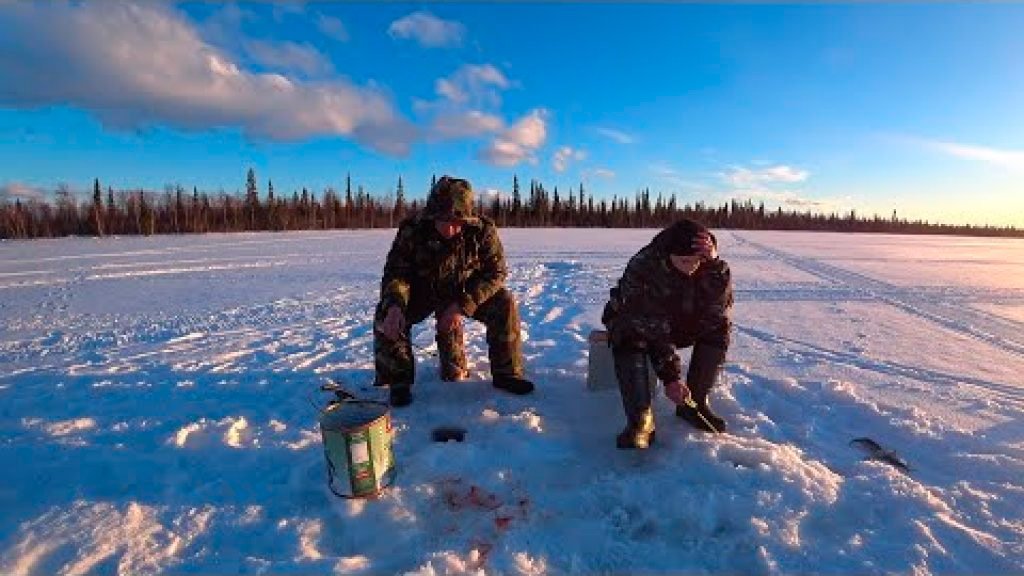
[178, 211]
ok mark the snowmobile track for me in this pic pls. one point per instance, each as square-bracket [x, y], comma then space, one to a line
[956, 316]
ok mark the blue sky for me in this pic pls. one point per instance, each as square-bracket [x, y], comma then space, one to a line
[912, 107]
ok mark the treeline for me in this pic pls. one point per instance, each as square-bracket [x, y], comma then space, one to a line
[180, 211]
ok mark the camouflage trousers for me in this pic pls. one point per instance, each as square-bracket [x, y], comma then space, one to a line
[394, 359]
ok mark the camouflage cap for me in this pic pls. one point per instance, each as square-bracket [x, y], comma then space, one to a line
[450, 198]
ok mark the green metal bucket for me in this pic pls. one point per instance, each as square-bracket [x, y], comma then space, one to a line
[357, 439]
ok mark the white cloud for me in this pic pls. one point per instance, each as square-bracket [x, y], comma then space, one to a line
[605, 173]
[1012, 159]
[289, 57]
[283, 9]
[224, 27]
[564, 156]
[530, 130]
[616, 135]
[455, 125]
[12, 191]
[505, 153]
[664, 170]
[485, 74]
[450, 90]
[741, 177]
[142, 64]
[773, 185]
[332, 28]
[785, 174]
[473, 84]
[466, 103]
[519, 142]
[427, 29]
[672, 177]
[792, 200]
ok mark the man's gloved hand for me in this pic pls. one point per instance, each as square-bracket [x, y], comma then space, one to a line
[448, 319]
[705, 247]
[677, 392]
[393, 324]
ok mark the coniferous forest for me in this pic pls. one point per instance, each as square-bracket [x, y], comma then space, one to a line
[177, 210]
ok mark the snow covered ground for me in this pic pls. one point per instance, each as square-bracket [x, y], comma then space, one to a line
[157, 399]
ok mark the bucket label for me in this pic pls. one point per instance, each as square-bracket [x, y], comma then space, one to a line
[360, 453]
[364, 480]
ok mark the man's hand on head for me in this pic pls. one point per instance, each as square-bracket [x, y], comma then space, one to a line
[705, 247]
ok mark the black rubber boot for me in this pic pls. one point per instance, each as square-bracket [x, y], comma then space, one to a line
[701, 417]
[635, 438]
[513, 384]
[635, 388]
[705, 364]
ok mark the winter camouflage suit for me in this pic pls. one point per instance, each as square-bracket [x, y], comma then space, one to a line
[655, 309]
[425, 273]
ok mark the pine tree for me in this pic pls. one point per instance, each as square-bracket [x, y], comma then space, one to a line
[583, 204]
[252, 199]
[271, 206]
[305, 211]
[399, 211]
[556, 208]
[98, 215]
[364, 207]
[180, 216]
[497, 214]
[147, 220]
[516, 201]
[113, 226]
[348, 201]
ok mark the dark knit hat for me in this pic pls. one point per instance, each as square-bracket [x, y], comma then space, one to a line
[450, 198]
[678, 238]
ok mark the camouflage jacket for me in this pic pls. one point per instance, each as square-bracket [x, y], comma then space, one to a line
[466, 270]
[656, 308]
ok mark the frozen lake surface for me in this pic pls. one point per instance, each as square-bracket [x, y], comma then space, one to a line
[157, 410]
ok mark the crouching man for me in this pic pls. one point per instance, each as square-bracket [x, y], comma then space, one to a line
[447, 262]
[675, 293]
